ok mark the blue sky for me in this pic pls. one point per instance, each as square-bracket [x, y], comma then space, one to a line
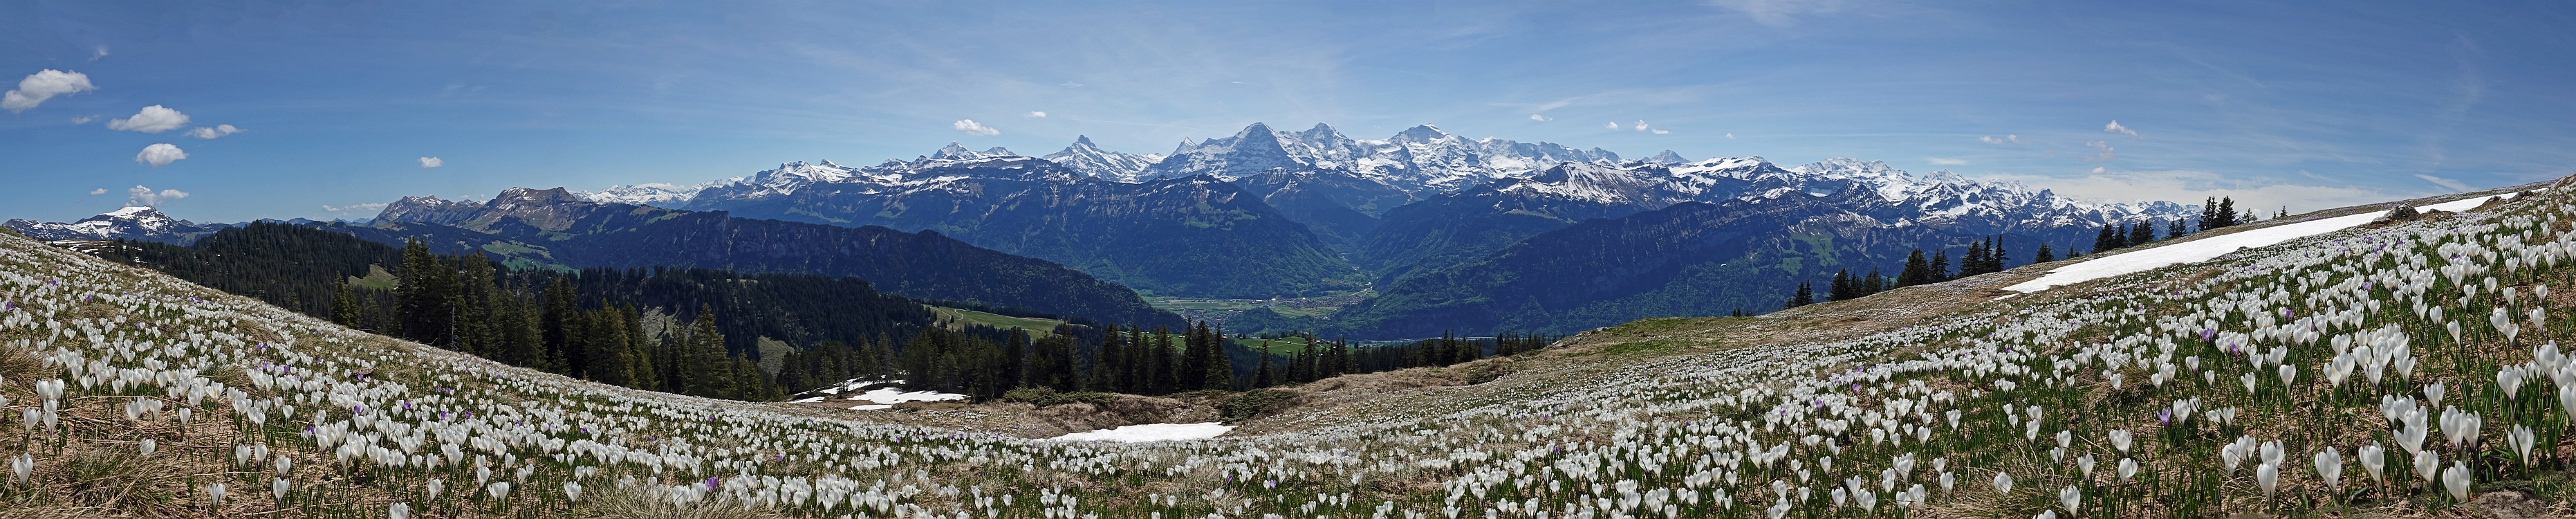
[2306, 104]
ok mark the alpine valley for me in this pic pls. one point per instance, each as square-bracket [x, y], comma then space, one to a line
[1427, 231]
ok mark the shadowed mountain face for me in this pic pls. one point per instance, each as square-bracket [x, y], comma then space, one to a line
[1191, 236]
[529, 227]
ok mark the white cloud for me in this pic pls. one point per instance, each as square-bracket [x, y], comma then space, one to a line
[1947, 162]
[46, 84]
[99, 191]
[153, 119]
[1540, 118]
[1040, 115]
[77, 121]
[218, 131]
[1779, 12]
[1641, 125]
[2106, 154]
[1613, 125]
[1730, 135]
[2097, 170]
[159, 155]
[431, 162]
[358, 207]
[101, 52]
[2451, 184]
[973, 128]
[1660, 131]
[2008, 139]
[144, 197]
[2115, 127]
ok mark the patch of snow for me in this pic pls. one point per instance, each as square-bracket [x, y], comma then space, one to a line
[2204, 249]
[1152, 432]
[872, 407]
[890, 396]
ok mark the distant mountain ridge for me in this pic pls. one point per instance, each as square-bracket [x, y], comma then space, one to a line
[554, 228]
[131, 223]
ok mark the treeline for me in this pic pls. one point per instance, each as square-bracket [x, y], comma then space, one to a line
[2216, 213]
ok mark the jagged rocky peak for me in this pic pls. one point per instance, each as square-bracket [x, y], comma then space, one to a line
[1422, 133]
[1090, 160]
[429, 209]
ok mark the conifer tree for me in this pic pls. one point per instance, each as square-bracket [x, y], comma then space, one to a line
[1940, 266]
[2110, 238]
[1261, 376]
[1806, 295]
[1997, 257]
[1873, 284]
[2175, 230]
[2142, 233]
[1917, 270]
[1843, 288]
[2044, 255]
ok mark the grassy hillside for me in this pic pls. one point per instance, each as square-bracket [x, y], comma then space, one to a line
[958, 319]
[2134, 396]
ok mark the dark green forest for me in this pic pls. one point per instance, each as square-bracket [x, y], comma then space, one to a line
[697, 331]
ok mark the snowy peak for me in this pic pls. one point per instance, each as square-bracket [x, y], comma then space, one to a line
[668, 196]
[1089, 160]
[1667, 158]
[429, 209]
[131, 223]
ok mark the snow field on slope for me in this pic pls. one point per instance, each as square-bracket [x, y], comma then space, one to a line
[1152, 432]
[2204, 249]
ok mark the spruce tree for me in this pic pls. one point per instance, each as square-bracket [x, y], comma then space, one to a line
[1806, 295]
[2209, 218]
[1940, 269]
[2142, 233]
[1997, 258]
[2109, 238]
[2226, 214]
[2044, 255]
[2175, 230]
[1917, 270]
[1261, 376]
[1844, 288]
[1873, 284]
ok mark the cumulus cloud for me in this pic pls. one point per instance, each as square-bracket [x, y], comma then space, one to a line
[1947, 162]
[1641, 125]
[1613, 125]
[431, 162]
[2451, 184]
[99, 191]
[153, 119]
[1040, 115]
[1779, 12]
[46, 84]
[1540, 118]
[159, 155]
[140, 196]
[218, 131]
[2008, 139]
[354, 207]
[973, 128]
[2115, 127]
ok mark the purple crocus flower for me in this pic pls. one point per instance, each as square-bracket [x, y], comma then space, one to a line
[2164, 416]
[711, 484]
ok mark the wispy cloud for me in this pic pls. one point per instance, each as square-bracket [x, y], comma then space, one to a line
[217, 131]
[159, 155]
[1947, 161]
[42, 85]
[1779, 13]
[77, 121]
[431, 162]
[1039, 115]
[99, 191]
[1613, 125]
[1540, 118]
[2451, 184]
[2104, 151]
[2115, 127]
[973, 128]
[2008, 139]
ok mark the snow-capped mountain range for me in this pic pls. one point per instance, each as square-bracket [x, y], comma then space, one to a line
[1422, 161]
[131, 223]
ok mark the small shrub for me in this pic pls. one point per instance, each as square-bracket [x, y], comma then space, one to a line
[1045, 397]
